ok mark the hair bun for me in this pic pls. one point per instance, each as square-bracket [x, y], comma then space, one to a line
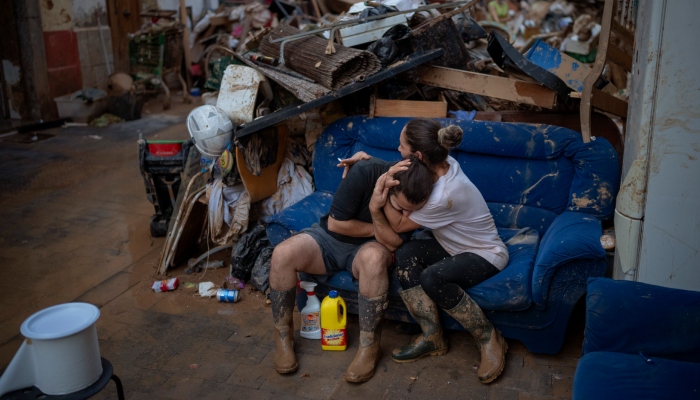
[450, 136]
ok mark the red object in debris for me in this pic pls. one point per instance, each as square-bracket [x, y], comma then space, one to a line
[164, 286]
[164, 148]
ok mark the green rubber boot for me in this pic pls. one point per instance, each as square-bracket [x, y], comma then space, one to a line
[432, 341]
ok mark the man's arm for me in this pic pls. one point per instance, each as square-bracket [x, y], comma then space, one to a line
[398, 221]
[353, 227]
[382, 229]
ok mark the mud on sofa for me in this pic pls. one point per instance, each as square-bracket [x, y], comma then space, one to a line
[548, 193]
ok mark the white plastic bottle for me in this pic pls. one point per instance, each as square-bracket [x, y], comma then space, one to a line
[311, 314]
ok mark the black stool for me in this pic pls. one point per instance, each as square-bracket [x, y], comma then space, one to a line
[34, 393]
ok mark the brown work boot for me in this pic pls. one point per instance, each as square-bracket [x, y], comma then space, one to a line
[371, 314]
[492, 345]
[282, 314]
[432, 341]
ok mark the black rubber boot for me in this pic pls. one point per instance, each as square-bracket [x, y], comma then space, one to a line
[432, 341]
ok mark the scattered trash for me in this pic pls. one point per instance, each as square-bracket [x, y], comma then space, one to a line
[164, 286]
[194, 366]
[207, 289]
[96, 137]
[305, 375]
[235, 282]
[227, 295]
[190, 285]
[106, 119]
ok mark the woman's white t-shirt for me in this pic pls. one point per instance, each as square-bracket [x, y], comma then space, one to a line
[460, 219]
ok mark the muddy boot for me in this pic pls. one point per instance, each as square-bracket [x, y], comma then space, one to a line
[431, 342]
[492, 345]
[371, 315]
[282, 314]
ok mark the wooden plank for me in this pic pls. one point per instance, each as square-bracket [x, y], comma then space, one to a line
[487, 85]
[395, 69]
[410, 108]
[609, 103]
[622, 32]
[619, 57]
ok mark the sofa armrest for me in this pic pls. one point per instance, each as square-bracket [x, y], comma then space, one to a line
[298, 216]
[572, 236]
[632, 317]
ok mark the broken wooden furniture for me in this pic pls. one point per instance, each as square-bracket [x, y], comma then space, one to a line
[618, 18]
[640, 342]
[547, 190]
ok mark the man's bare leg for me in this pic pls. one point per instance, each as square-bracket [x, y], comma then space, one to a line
[370, 268]
[300, 253]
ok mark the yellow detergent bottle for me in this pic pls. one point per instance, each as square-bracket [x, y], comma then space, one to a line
[333, 320]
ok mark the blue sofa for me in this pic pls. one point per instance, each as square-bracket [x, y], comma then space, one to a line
[547, 190]
[641, 341]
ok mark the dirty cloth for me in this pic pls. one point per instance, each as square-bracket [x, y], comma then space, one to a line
[229, 209]
[293, 184]
[259, 150]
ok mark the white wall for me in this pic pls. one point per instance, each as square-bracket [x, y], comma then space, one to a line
[199, 7]
[670, 245]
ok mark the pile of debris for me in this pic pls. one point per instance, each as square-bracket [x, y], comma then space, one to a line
[283, 72]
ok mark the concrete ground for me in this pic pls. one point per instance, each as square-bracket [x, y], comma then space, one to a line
[75, 227]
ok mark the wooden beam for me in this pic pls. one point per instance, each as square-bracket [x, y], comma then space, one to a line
[619, 57]
[609, 103]
[408, 108]
[186, 47]
[486, 85]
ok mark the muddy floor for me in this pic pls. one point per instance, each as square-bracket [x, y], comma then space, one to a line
[75, 227]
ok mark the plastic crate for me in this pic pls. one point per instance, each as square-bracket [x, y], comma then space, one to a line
[147, 51]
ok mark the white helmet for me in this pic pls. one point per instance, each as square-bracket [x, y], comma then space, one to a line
[211, 130]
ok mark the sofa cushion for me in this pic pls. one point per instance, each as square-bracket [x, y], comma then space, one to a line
[629, 317]
[544, 167]
[606, 375]
[510, 289]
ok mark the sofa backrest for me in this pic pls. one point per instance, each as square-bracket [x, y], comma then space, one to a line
[527, 173]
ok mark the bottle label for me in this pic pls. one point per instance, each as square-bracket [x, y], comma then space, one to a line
[333, 337]
[310, 322]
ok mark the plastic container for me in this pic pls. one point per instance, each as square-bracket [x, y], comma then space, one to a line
[164, 148]
[333, 322]
[310, 314]
[61, 354]
[80, 110]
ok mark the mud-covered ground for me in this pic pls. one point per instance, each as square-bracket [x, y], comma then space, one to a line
[75, 227]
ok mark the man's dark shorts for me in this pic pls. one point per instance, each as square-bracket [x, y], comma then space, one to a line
[337, 256]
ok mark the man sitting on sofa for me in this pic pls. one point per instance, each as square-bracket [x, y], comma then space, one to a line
[355, 236]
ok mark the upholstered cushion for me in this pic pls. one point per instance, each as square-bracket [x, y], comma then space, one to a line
[605, 375]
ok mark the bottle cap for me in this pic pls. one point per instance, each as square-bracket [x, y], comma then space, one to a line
[333, 294]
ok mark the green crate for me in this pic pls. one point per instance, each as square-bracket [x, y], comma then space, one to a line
[156, 52]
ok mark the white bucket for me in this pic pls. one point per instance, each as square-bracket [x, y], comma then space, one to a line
[61, 354]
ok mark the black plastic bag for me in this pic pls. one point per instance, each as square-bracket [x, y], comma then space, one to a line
[385, 49]
[372, 11]
[260, 277]
[401, 35]
[247, 250]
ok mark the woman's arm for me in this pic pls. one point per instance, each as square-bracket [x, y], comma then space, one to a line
[382, 229]
[398, 221]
